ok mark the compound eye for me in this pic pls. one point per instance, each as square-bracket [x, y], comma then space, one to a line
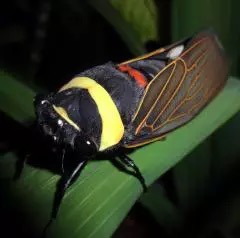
[84, 146]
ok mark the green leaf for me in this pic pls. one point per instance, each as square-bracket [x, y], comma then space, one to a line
[135, 21]
[96, 204]
[192, 16]
[224, 160]
[162, 209]
[192, 177]
[16, 98]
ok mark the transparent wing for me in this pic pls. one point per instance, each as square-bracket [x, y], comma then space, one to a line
[181, 89]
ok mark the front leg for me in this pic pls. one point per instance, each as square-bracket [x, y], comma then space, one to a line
[64, 183]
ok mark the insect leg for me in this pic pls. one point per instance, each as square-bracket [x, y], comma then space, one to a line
[130, 163]
[63, 157]
[64, 183]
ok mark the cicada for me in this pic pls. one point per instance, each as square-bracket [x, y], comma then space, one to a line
[127, 105]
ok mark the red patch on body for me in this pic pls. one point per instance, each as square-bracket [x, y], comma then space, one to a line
[138, 76]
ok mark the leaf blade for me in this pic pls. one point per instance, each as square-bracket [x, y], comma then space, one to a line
[96, 204]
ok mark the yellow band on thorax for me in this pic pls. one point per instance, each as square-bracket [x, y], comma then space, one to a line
[112, 125]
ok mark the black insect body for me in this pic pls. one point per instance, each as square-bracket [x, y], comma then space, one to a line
[127, 105]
